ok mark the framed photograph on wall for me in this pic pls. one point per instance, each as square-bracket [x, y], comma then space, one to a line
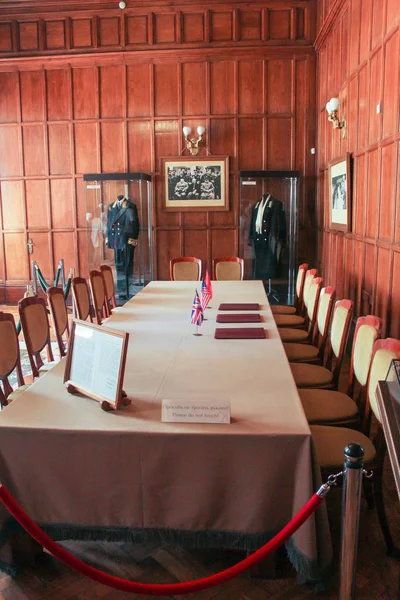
[195, 183]
[340, 194]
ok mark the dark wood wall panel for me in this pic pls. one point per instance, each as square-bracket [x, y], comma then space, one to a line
[37, 204]
[110, 91]
[152, 24]
[58, 94]
[369, 89]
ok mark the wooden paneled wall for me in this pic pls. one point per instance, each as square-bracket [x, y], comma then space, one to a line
[246, 74]
[359, 61]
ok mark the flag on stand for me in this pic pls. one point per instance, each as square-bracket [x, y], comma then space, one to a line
[207, 281]
[205, 295]
[197, 311]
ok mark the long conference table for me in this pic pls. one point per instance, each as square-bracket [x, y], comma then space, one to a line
[83, 473]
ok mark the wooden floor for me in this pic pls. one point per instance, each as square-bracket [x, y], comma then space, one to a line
[377, 574]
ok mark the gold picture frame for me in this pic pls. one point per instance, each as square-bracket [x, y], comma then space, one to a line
[195, 183]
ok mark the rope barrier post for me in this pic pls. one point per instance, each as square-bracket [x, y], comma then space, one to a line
[352, 486]
[61, 263]
[34, 277]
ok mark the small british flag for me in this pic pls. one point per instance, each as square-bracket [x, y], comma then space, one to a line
[197, 311]
[205, 295]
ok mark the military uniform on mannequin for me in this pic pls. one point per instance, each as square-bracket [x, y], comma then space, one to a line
[267, 236]
[122, 234]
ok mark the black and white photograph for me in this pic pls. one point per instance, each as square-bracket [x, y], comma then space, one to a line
[195, 183]
[339, 194]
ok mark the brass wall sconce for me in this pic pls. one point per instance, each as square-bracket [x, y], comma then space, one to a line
[192, 144]
[332, 108]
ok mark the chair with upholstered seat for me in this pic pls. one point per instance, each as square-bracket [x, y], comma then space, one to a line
[10, 360]
[333, 407]
[228, 268]
[297, 320]
[314, 351]
[81, 298]
[36, 330]
[59, 316]
[327, 376]
[329, 442]
[99, 299]
[185, 268]
[110, 287]
[286, 309]
[303, 334]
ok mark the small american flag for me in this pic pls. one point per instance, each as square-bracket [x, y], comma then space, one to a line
[197, 311]
[205, 295]
[207, 281]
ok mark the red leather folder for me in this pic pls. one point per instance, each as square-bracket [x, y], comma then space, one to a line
[240, 306]
[239, 318]
[239, 333]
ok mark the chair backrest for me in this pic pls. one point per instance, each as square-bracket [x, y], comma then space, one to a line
[228, 268]
[368, 330]
[80, 295]
[59, 315]
[313, 298]
[338, 336]
[110, 287]
[309, 276]
[300, 279]
[9, 355]
[185, 268]
[384, 352]
[98, 290]
[324, 313]
[36, 330]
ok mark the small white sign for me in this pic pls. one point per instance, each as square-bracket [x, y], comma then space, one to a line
[249, 182]
[93, 187]
[195, 411]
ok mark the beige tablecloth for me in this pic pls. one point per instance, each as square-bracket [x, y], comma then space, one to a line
[86, 474]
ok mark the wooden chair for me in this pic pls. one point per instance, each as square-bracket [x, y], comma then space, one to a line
[9, 359]
[302, 328]
[110, 287]
[185, 268]
[315, 350]
[98, 290]
[314, 376]
[330, 441]
[36, 330]
[298, 320]
[59, 316]
[283, 309]
[333, 407]
[228, 268]
[81, 298]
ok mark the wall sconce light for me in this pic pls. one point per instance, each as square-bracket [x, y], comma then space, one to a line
[193, 144]
[331, 108]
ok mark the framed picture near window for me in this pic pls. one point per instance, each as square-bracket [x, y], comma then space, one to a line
[340, 194]
[196, 183]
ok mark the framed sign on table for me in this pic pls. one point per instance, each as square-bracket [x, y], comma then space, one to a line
[340, 194]
[96, 363]
[195, 183]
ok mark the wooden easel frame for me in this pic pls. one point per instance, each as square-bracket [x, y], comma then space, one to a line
[73, 387]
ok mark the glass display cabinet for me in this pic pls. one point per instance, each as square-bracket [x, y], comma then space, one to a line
[268, 230]
[119, 228]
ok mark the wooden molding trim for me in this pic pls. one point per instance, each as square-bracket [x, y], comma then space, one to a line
[328, 23]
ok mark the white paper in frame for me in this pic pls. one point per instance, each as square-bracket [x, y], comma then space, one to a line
[96, 361]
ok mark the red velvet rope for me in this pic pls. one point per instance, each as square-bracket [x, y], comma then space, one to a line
[168, 589]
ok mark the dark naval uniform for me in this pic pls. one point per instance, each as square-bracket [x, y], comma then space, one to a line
[122, 234]
[267, 236]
